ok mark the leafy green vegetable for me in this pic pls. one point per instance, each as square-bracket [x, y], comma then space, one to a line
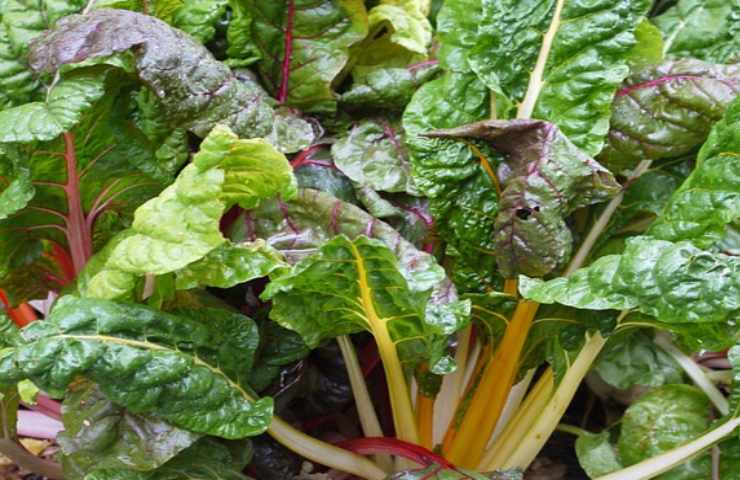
[226, 171]
[214, 97]
[183, 369]
[548, 178]
[709, 199]
[651, 276]
[666, 111]
[436, 472]
[304, 46]
[388, 88]
[596, 454]
[563, 60]
[101, 435]
[703, 29]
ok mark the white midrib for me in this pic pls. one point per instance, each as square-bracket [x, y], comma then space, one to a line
[535, 79]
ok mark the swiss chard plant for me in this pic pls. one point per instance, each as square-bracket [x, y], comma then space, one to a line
[374, 239]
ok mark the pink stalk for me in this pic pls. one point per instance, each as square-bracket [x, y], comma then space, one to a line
[37, 425]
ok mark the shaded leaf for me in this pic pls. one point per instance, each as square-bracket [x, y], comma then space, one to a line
[549, 178]
[304, 46]
[182, 369]
[437, 472]
[388, 88]
[101, 435]
[596, 454]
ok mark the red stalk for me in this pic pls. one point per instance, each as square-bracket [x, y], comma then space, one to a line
[22, 315]
[393, 446]
[79, 236]
[283, 91]
[304, 156]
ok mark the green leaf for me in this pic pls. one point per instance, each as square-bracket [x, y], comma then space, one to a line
[596, 454]
[17, 84]
[183, 369]
[9, 402]
[355, 285]
[242, 50]
[291, 133]
[304, 46]
[548, 178]
[229, 265]
[64, 105]
[225, 172]
[630, 359]
[651, 276]
[99, 434]
[666, 111]
[8, 331]
[662, 419]
[709, 200]
[197, 94]
[16, 189]
[406, 24]
[372, 154]
[195, 17]
[389, 88]
[703, 29]
[208, 459]
[584, 46]
[648, 49]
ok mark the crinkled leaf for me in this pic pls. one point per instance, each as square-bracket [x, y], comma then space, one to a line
[16, 189]
[709, 200]
[703, 29]
[406, 24]
[290, 133]
[664, 418]
[549, 178]
[585, 53]
[596, 454]
[388, 88]
[372, 154]
[648, 49]
[320, 173]
[229, 265]
[59, 112]
[195, 17]
[353, 285]
[667, 110]
[208, 459]
[99, 434]
[17, 84]
[8, 331]
[198, 93]
[631, 359]
[242, 51]
[304, 46]
[181, 225]
[674, 282]
[185, 369]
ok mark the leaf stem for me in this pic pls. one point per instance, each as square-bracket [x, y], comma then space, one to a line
[79, 236]
[30, 462]
[425, 420]
[654, 466]
[365, 409]
[663, 340]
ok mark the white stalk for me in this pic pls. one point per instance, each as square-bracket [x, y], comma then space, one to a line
[452, 388]
[694, 371]
[516, 396]
[653, 467]
[365, 408]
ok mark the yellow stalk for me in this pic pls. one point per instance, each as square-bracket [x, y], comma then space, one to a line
[491, 393]
[425, 420]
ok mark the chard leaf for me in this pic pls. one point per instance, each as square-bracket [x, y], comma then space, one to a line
[596, 454]
[186, 369]
[631, 359]
[372, 155]
[242, 50]
[350, 286]
[207, 459]
[666, 111]
[8, 331]
[662, 419]
[63, 107]
[17, 84]
[703, 29]
[389, 88]
[406, 22]
[198, 93]
[549, 178]
[181, 225]
[195, 17]
[16, 189]
[299, 227]
[567, 56]
[674, 282]
[437, 472]
[709, 200]
[99, 434]
[648, 49]
[229, 265]
[304, 46]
